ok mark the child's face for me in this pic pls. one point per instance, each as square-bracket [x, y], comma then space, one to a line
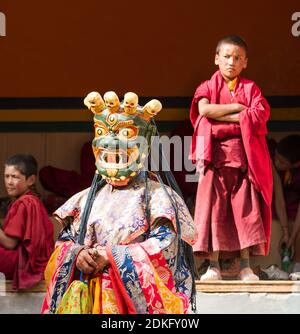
[231, 59]
[16, 183]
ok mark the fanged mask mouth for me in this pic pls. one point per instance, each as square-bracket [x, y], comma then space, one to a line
[117, 159]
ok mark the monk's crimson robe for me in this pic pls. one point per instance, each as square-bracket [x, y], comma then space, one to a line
[233, 205]
[27, 220]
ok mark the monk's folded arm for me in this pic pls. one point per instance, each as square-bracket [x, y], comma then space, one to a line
[229, 118]
[215, 111]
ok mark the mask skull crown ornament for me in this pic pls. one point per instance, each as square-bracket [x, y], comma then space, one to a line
[123, 134]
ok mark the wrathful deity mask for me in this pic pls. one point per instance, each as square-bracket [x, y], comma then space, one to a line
[123, 132]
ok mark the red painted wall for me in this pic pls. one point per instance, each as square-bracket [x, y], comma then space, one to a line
[155, 48]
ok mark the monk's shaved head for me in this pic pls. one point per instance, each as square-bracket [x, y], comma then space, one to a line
[232, 39]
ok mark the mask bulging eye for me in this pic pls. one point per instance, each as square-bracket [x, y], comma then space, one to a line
[127, 133]
[124, 133]
[101, 132]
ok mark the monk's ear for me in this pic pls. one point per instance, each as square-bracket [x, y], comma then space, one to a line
[245, 63]
[216, 59]
[31, 180]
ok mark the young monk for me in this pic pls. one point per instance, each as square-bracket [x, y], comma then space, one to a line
[26, 238]
[234, 193]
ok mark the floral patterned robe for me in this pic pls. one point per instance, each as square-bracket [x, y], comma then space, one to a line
[146, 274]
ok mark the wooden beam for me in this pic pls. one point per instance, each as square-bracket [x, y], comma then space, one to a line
[207, 287]
[250, 287]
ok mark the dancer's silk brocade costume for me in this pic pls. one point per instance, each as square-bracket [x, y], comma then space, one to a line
[132, 216]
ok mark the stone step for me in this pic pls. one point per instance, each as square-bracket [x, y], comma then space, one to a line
[256, 297]
[231, 297]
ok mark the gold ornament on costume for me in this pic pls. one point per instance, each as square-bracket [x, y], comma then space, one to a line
[231, 84]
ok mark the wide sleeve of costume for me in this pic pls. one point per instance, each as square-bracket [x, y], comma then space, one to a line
[147, 272]
[71, 210]
[143, 274]
[162, 205]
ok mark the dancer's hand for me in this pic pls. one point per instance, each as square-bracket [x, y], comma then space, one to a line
[85, 261]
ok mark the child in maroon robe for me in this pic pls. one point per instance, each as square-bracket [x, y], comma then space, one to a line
[26, 238]
[233, 205]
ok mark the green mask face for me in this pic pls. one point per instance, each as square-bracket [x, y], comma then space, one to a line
[122, 139]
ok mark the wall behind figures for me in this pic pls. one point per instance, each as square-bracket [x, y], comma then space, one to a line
[158, 48]
[61, 150]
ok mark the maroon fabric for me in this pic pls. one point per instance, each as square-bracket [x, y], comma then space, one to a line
[252, 128]
[66, 183]
[62, 182]
[8, 262]
[252, 122]
[229, 219]
[227, 146]
[188, 189]
[27, 220]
